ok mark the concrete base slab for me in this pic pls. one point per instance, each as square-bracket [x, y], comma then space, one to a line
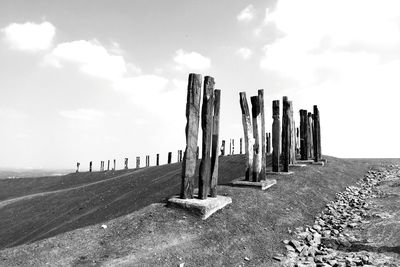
[278, 173]
[320, 163]
[297, 165]
[203, 208]
[263, 184]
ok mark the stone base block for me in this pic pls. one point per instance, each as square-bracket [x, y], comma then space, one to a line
[263, 184]
[203, 208]
[278, 173]
[297, 165]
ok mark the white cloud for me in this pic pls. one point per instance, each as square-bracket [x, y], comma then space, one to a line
[29, 36]
[92, 58]
[247, 14]
[244, 52]
[82, 114]
[191, 60]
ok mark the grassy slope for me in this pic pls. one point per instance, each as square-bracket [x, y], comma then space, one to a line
[252, 226]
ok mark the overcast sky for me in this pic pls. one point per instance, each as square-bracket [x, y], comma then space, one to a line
[101, 79]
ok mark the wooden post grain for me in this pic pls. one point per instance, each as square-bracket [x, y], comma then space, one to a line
[285, 134]
[192, 130]
[206, 126]
[248, 135]
[303, 134]
[262, 144]
[317, 135]
[276, 136]
[257, 157]
[215, 143]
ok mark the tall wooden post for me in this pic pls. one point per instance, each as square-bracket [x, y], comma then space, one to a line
[197, 153]
[137, 162]
[268, 143]
[206, 126]
[192, 130]
[115, 165]
[285, 134]
[157, 159]
[292, 135]
[276, 135]
[241, 145]
[257, 151]
[169, 157]
[248, 135]
[297, 141]
[90, 166]
[77, 166]
[233, 146]
[215, 143]
[108, 165]
[101, 166]
[303, 134]
[262, 144]
[180, 155]
[310, 136]
[230, 146]
[147, 160]
[126, 163]
[317, 135]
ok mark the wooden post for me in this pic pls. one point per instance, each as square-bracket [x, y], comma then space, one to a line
[310, 136]
[317, 135]
[180, 155]
[297, 141]
[248, 135]
[77, 166]
[90, 166]
[230, 146]
[241, 145]
[233, 146]
[285, 134]
[215, 143]
[276, 135]
[192, 130]
[223, 148]
[268, 143]
[303, 134]
[262, 144]
[101, 166]
[169, 157]
[147, 160]
[115, 165]
[158, 160]
[197, 153]
[257, 151]
[108, 165]
[292, 134]
[126, 163]
[137, 162]
[206, 126]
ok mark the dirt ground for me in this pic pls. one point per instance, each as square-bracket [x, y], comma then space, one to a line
[248, 232]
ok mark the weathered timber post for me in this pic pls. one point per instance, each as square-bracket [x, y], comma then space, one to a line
[101, 166]
[147, 160]
[297, 141]
[317, 135]
[248, 135]
[223, 148]
[77, 166]
[90, 166]
[257, 151]
[276, 136]
[115, 165]
[233, 146]
[215, 143]
[292, 135]
[137, 162]
[197, 153]
[126, 163]
[169, 157]
[206, 126]
[310, 136]
[192, 130]
[180, 155]
[262, 144]
[157, 159]
[230, 146]
[241, 145]
[285, 134]
[268, 143]
[303, 134]
[108, 165]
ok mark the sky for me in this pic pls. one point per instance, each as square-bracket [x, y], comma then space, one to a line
[95, 80]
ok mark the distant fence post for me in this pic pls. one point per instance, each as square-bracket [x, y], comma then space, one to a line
[215, 144]
[115, 165]
[233, 146]
[230, 146]
[169, 157]
[108, 165]
[255, 111]
[90, 166]
[137, 162]
[317, 135]
[77, 166]
[206, 126]
[158, 160]
[223, 148]
[101, 166]
[262, 144]
[276, 136]
[292, 129]
[147, 161]
[126, 163]
[192, 129]
[303, 134]
[285, 134]
[310, 150]
[297, 141]
[248, 135]
[241, 145]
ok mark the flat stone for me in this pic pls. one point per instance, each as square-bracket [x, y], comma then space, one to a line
[278, 173]
[263, 184]
[203, 208]
[298, 165]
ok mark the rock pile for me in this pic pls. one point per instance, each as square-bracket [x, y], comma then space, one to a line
[333, 240]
